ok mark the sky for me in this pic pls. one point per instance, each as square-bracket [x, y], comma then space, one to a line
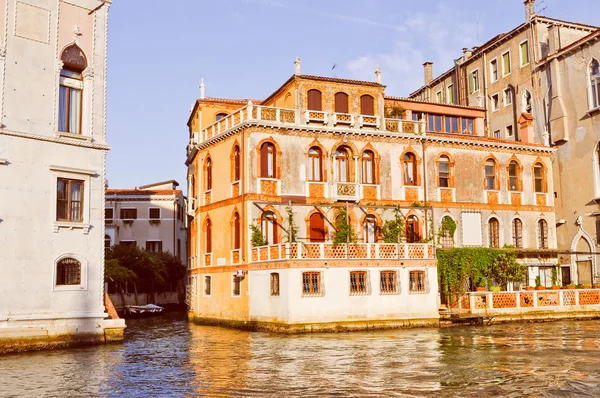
[159, 51]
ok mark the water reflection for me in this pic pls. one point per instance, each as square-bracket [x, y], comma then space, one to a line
[168, 357]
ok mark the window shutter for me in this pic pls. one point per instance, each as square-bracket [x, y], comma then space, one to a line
[341, 103]
[367, 106]
[264, 160]
[314, 100]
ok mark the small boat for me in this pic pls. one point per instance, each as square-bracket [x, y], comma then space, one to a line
[143, 310]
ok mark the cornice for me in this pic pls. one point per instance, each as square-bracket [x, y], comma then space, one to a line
[56, 140]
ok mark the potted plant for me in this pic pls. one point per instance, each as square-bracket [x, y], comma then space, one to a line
[481, 285]
[596, 286]
[530, 288]
[555, 285]
[538, 283]
[495, 289]
[586, 286]
[571, 286]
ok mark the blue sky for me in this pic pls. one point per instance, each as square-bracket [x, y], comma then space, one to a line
[159, 51]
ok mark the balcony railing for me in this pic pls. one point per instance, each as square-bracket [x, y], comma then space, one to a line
[285, 116]
[353, 251]
[526, 301]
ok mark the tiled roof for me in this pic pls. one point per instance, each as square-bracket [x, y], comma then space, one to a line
[338, 80]
[230, 100]
[479, 108]
[539, 17]
[573, 46]
[142, 192]
[483, 139]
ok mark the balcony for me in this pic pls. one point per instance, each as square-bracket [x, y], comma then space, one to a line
[273, 116]
[352, 251]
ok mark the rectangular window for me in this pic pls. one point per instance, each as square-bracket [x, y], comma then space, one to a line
[109, 213]
[274, 284]
[417, 282]
[508, 97]
[509, 131]
[467, 125]
[497, 134]
[128, 214]
[154, 213]
[388, 282]
[311, 283]
[495, 102]
[237, 285]
[524, 53]
[127, 242]
[154, 246]
[452, 124]
[438, 97]
[474, 82]
[494, 70]
[447, 240]
[207, 285]
[69, 110]
[69, 200]
[506, 66]
[450, 94]
[358, 282]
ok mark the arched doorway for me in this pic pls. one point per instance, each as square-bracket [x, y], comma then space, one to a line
[317, 228]
[585, 270]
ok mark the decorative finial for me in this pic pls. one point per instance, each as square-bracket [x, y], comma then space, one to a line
[297, 64]
[202, 88]
[77, 31]
[378, 74]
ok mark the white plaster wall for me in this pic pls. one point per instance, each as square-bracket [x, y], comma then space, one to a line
[337, 304]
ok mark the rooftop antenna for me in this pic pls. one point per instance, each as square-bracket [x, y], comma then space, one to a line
[542, 9]
[477, 27]
[333, 66]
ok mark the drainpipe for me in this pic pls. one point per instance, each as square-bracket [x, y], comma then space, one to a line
[174, 224]
[516, 127]
[242, 183]
[485, 93]
[425, 186]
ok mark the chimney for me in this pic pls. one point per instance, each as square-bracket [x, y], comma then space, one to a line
[428, 69]
[378, 74]
[202, 89]
[529, 10]
[297, 64]
[553, 39]
[467, 53]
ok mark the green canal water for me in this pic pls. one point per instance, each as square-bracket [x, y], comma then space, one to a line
[166, 356]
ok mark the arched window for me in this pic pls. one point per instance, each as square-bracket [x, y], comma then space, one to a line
[68, 272]
[412, 229]
[317, 228]
[71, 89]
[410, 169]
[368, 167]
[539, 177]
[370, 229]
[490, 175]
[236, 163]
[107, 242]
[594, 88]
[314, 100]
[341, 103]
[542, 234]
[220, 116]
[514, 176]
[268, 159]
[517, 232]
[447, 240]
[494, 232]
[444, 172]
[526, 105]
[193, 185]
[269, 227]
[315, 172]
[342, 164]
[208, 236]
[208, 177]
[367, 105]
[236, 231]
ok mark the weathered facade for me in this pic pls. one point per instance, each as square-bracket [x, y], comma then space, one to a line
[269, 181]
[52, 170]
[153, 217]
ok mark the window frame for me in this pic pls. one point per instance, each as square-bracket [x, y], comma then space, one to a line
[236, 286]
[312, 159]
[150, 243]
[343, 153]
[207, 236]
[593, 85]
[150, 213]
[504, 73]
[497, 76]
[112, 209]
[518, 176]
[359, 283]
[363, 104]
[487, 176]
[414, 168]
[122, 209]
[236, 163]
[493, 233]
[450, 94]
[83, 270]
[448, 173]
[414, 235]
[207, 286]
[275, 284]
[526, 42]
[439, 98]
[474, 83]
[543, 233]
[508, 94]
[69, 87]
[364, 167]
[509, 130]
[69, 204]
[312, 292]
[542, 178]
[517, 233]
[422, 284]
[385, 283]
[268, 150]
[495, 102]
[444, 239]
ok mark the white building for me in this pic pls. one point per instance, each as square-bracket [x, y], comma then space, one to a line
[152, 216]
[52, 170]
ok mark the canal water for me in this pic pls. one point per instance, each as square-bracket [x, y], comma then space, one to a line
[166, 356]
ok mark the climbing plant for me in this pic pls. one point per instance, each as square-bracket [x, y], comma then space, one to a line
[393, 230]
[446, 228]
[257, 239]
[292, 228]
[456, 267]
[344, 233]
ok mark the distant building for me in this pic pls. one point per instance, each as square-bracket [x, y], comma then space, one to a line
[52, 170]
[318, 146]
[153, 217]
[540, 82]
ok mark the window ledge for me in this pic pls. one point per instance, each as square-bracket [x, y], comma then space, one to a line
[594, 111]
[79, 137]
[69, 288]
[3, 161]
[72, 225]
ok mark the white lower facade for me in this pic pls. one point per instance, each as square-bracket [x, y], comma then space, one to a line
[336, 303]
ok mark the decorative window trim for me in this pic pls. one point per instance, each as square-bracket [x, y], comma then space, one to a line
[73, 174]
[159, 213]
[470, 76]
[234, 277]
[321, 292]
[495, 102]
[426, 289]
[397, 286]
[84, 274]
[492, 80]
[521, 54]
[367, 280]
[504, 74]
[450, 90]
[487, 229]
[204, 285]
[274, 292]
